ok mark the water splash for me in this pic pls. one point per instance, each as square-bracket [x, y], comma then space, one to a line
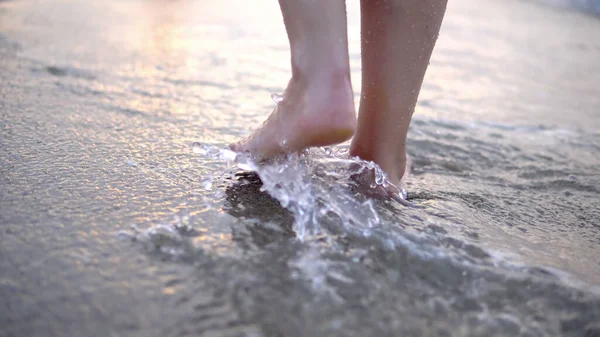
[207, 184]
[314, 186]
[277, 98]
[213, 152]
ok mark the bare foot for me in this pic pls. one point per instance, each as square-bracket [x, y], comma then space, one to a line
[314, 112]
[391, 159]
[367, 183]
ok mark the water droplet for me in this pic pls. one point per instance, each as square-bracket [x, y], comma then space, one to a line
[245, 163]
[198, 148]
[277, 98]
[328, 151]
[245, 167]
[379, 176]
[228, 155]
[403, 194]
[284, 200]
[207, 184]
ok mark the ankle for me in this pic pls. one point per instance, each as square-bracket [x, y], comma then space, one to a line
[333, 75]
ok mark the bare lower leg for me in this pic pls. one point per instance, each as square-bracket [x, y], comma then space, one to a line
[318, 106]
[397, 40]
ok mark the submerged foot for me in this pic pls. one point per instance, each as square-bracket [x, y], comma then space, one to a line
[372, 185]
[392, 160]
[314, 112]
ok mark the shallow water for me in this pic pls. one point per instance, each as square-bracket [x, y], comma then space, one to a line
[114, 224]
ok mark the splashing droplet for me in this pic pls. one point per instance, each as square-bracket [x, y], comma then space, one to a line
[245, 163]
[379, 176]
[277, 98]
[403, 194]
[228, 155]
[207, 184]
[198, 148]
[213, 152]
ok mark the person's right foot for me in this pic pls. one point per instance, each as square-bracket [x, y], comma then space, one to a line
[314, 112]
[391, 159]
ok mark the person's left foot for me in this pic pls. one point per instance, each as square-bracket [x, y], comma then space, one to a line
[315, 111]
